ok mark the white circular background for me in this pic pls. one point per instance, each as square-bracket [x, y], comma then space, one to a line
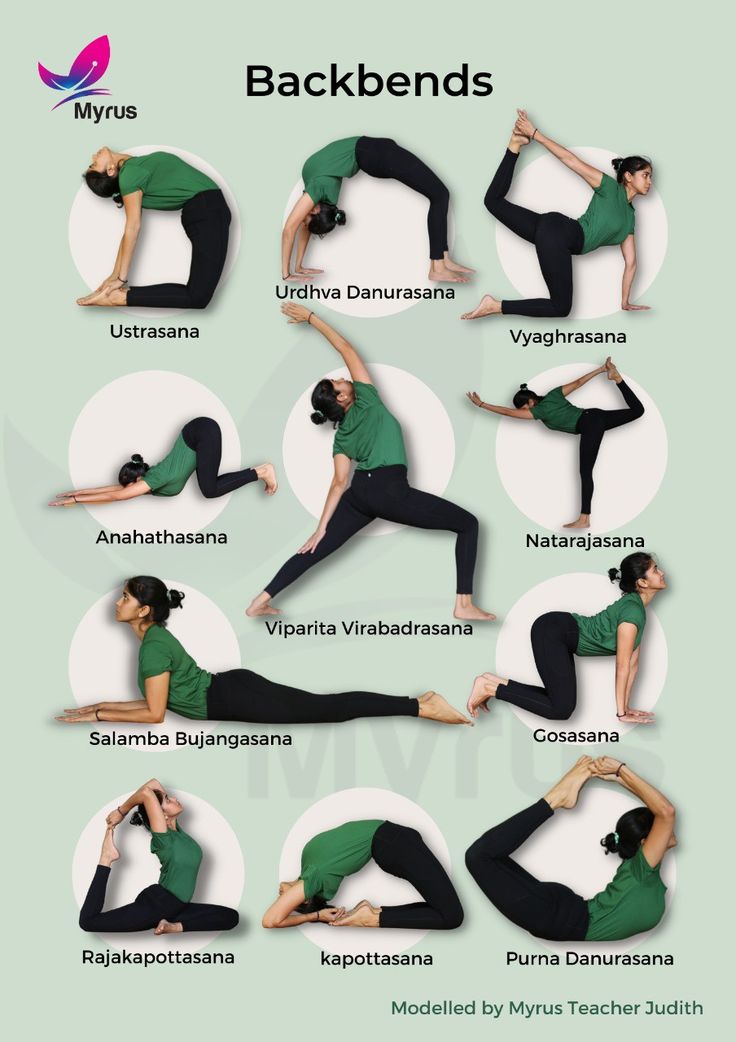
[567, 850]
[383, 244]
[145, 412]
[546, 185]
[163, 252]
[103, 657]
[220, 879]
[370, 883]
[585, 594]
[428, 435]
[540, 471]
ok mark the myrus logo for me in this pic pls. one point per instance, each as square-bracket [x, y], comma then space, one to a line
[87, 68]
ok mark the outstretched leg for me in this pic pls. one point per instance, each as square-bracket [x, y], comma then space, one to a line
[554, 639]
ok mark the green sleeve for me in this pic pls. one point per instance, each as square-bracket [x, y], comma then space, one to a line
[608, 187]
[324, 189]
[632, 613]
[312, 882]
[640, 867]
[134, 180]
[365, 394]
[155, 658]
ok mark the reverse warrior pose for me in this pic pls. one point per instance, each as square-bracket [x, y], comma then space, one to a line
[368, 435]
[169, 678]
[398, 850]
[558, 636]
[198, 447]
[317, 211]
[608, 221]
[166, 906]
[161, 181]
[631, 903]
[557, 414]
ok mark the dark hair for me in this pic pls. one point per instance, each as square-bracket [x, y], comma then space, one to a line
[630, 165]
[631, 828]
[326, 405]
[633, 568]
[132, 470]
[153, 594]
[325, 219]
[312, 904]
[140, 817]
[523, 395]
[104, 185]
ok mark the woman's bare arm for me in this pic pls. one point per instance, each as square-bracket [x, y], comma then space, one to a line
[500, 410]
[590, 174]
[294, 222]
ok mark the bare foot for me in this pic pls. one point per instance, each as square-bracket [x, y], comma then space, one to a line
[488, 306]
[364, 914]
[582, 522]
[517, 142]
[260, 605]
[166, 927]
[484, 687]
[454, 266]
[465, 609]
[565, 793]
[109, 852]
[106, 298]
[432, 706]
[267, 474]
[441, 272]
[613, 373]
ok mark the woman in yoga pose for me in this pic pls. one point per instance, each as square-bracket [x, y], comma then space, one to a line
[317, 212]
[608, 221]
[367, 434]
[558, 636]
[198, 447]
[161, 181]
[330, 856]
[631, 903]
[557, 414]
[169, 678]
[166, 906]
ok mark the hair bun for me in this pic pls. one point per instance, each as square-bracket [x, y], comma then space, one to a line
[616, 163]
[136, 818]
[610, 843]
[136, 458]
[318, 418]
[174, 597]
[340, 217]
[614, 575]
[523, 387]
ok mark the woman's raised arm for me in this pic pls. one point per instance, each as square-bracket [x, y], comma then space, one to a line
[297, 313]
[590, 174]
[658, 841]
[582, 380]
[501, 410]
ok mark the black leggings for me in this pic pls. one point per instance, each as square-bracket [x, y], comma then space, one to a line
[382, 157]
[240, 694]
[554, 640]
[556, 238]
[549, 910]
[206, 221]
[150, 906]
[204, 437]
[402, 852]
[592, 425]
[386, 493]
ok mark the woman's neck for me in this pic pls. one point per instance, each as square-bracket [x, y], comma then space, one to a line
[141, 628]
[647, 596]
[630, 192]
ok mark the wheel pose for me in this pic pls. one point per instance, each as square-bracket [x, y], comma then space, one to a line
[369, 435]
[631, 903]
[332, 855]
[608, 221]
[558, 636]
[161, 181]
[166, 906]
[557, 414]
[317, 212]
[197, 448]
[169, 678]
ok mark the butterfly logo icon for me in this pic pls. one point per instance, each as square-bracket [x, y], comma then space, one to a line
[87, 68]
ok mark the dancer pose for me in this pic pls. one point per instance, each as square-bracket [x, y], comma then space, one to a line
[608, 221]
[166, 906]
[558, 636]
[557, 414]
[370, 436]
[198, 447]
[631, 903]
[169, 678]
[161, 181]
[317, 212]
[398, 850]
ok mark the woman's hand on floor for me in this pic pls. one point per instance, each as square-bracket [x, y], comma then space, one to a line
[312, 543]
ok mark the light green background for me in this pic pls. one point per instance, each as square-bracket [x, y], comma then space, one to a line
[624, 77]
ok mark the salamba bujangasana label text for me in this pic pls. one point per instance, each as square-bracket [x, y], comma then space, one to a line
[182, 739]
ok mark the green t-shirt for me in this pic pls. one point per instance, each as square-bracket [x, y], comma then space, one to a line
[323, 172]
[632, 902]
[161, 653]
[180, 858]
[332, 855]
[609, 218]
[597, 633]
[556, 412]
[169, 477]
[166, 181]
[369, 434]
